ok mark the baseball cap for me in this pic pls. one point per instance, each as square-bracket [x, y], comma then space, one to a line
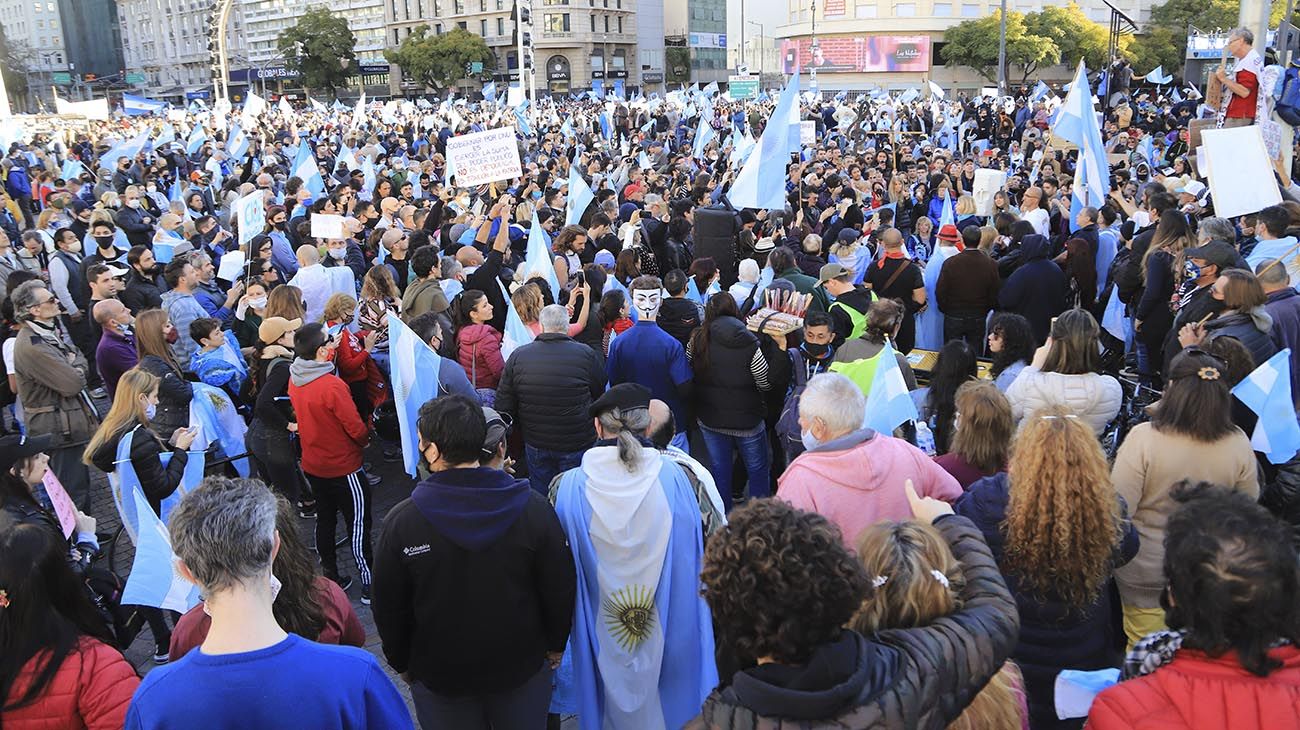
[273, 328]
[831, 271]
[1194, 188]
[1220, 254]
[497, 429]
[624, 396]
[604, 258]
[13, 448]
[117, 271]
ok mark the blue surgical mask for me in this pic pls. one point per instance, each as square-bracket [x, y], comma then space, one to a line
[537, 195]
[150, 411]
[810, 441]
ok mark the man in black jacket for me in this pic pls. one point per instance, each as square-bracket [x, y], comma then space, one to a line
[142, 285]
[547, 386]
[474, 583]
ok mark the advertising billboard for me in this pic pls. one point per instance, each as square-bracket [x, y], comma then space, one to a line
[857, 54]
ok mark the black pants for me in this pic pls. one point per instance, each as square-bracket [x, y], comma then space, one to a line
[968, 327]
[349, 495]
[274, 457]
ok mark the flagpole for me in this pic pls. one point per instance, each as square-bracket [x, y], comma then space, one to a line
[1002, 51]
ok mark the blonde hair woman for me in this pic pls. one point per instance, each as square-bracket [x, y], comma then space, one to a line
[915, 580]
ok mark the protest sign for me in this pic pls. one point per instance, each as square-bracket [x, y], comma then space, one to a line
[987, 182]
[807, 132]
[250, 212]
[232, 264]
[484, 157]
[1239, 171]
[62, 503]
[326, 227]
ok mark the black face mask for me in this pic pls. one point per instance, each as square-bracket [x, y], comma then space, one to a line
[816, 350]
[280, 225]
[104, 242]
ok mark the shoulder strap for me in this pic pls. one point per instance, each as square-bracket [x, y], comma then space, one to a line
[894, 277]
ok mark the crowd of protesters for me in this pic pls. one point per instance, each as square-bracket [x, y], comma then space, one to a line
[636, 503]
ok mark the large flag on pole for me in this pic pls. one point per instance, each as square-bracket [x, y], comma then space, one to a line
[305, 167]
[1077, 122]
[580, 196]
[761, 181]
[889, 405]
[538, 261]
[138, 105]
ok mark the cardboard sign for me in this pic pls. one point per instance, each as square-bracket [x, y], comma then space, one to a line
[808, 132]
[250, 211]
[1239, 170]
[987, 182]
[484, 157]
[326, 227]
[63, 507]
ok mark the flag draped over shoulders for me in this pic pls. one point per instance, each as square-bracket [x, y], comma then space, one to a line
[638, 548]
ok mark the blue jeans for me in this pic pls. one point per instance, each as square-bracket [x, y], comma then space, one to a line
[544, 466]
[753, 454]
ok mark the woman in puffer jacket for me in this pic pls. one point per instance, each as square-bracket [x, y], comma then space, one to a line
[57, 666]
[1243, 316]
[478, 345]
[781, 586]
[1064, 373]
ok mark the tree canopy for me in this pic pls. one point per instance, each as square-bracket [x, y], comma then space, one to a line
[321, 47]
[974, 43]
[13, 63]
[437, 61]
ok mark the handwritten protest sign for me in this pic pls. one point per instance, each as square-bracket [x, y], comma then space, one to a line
[63, 507]
[484, 157]
[807, 132]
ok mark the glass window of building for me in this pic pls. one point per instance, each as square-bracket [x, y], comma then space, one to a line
[905, 10]
[865, 10]
[482, 27]
[557, 22]
[970, 10]
[943, 10]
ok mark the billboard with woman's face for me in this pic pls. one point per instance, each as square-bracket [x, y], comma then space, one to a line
[857, 54]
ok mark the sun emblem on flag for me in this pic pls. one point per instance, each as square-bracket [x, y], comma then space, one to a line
[629, 615]
[218, 402]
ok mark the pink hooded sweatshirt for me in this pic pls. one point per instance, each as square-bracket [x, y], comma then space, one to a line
[857, 480]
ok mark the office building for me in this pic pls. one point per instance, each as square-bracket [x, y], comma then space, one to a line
[165, 46]
[35, 32]
[701, 27]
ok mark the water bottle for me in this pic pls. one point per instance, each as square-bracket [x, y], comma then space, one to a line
[925, 438]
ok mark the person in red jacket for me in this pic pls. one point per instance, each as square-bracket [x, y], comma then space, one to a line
[478, 345]
[1232, 659]
[57, 669]
[333, 438]
[308, 604]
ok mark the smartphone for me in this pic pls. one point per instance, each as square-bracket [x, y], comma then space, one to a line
[477, 208]
[581, 277]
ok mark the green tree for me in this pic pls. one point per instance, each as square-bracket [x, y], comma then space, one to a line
[1165, 37]
[974, 43]
[13, 62]
[321, 47]
[1074, 33]
[1157, 47]
[439, 60]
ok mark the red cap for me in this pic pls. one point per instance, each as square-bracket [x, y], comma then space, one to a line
[949, 233]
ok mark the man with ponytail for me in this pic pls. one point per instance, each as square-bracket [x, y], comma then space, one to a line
[633, 523]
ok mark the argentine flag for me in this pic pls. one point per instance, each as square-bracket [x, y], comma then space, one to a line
[217, 420]
[71, 168]
[196, 140]
[1114, 321]
[238, 143]
[946, 214]
[703, 136]
[414, 370]
[580, 196]
[889, 405]
[1076, 122]
[516, 333]
[537, 260]
[305, 167]
[761, 181]
[1267, 392]
[134, 106]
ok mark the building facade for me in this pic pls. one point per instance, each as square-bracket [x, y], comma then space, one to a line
[492, 20]
[893, 43]
[93, 36]
[35, 31]
[262, 66]
[701, 27]
[165, 46]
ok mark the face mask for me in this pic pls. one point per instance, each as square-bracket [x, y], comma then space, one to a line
[75, 247]
[104, 242]
[150, 411]
[815, 350]
[338, 254]
[257, 303]
[152, 188]
[133, 203]
[810, 441]
[280, 225]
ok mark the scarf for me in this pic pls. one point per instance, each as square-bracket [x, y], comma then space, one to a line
[889, 255]
[51, 335]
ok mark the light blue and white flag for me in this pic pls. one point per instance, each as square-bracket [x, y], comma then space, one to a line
[643, 160]
[414, 371]
[946, 214]
[177, 191]
[1114, 321]
[348, 157]
[524, 127]
[935, 90]
[237, 143]
[704, 134]
[135, 106]
[537, 260]
[606, 126]
[516, 333]
[305, 167]
[889, 405]
[1158, 77]
[71, 168]
[1040, 90]
[490, 91]
[154, 580]
[580, 196]
[217, 420]
[1267, 392]
[1077, 123]
[196, 140]
[127, 149]
[761, 181]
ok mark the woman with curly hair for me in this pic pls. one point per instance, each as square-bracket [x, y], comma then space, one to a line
[307, 603]
[1058, 531]
[1190, 436]
[982, 433]
[914, 580]
[782, 586]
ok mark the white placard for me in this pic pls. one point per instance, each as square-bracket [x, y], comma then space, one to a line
[176, 115]
[807, 132]
[484, 157]
[250, 212]
[1239, 171]
[232, 265]
[326, 227]
[987, 182]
